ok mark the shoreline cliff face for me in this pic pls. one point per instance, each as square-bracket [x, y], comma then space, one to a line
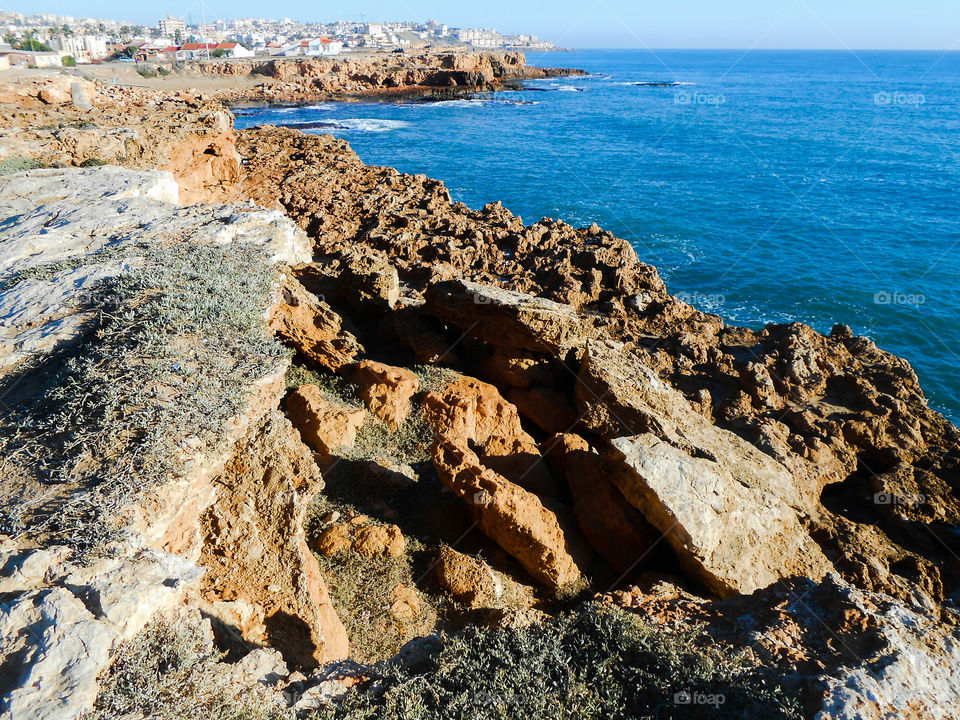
[448, 74]
[476, 423]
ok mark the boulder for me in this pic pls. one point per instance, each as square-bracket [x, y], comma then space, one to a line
[470, 412]
[324, 425]
[379, 540]
[371, 278]
[514, 518]
[386, 390]
[261, 576]
[310, 326]
[616, 530]
[547, 408]
[515, 369]
[731, 513]
[508, 319]
[468, 580]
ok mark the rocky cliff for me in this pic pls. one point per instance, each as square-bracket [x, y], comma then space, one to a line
[345, 416]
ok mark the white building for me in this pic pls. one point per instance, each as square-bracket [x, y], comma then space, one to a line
[324, 46]
[169, 26]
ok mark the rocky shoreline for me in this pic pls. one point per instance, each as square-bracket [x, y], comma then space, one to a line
[386, 419]
[424, 75]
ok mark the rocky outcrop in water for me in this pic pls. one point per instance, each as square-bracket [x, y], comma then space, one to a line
[417, 74]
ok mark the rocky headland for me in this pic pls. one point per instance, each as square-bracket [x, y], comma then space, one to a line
[289, 435]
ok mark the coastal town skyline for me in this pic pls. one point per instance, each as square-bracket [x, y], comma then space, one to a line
[746, 24]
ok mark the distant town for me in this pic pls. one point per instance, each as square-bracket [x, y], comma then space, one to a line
[49, 40]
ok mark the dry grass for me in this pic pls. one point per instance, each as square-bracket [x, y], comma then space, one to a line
[168, 672]
[172, 352]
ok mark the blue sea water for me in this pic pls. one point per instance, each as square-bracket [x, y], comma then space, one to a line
[767, 186]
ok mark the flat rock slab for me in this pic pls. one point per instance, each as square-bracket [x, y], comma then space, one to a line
[508, 319]
[732, 537]
[731, 513]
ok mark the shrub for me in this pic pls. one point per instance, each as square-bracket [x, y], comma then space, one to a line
[167, 672]
[147, 71]
[361, 590]
[93, 162]
[592, 663]
[69, 61]
[16, 163]
[172, 354]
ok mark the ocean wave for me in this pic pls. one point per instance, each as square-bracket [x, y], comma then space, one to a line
[566, 88]
[320, 106]
[373, 125]
[654, 83]
[474, 102]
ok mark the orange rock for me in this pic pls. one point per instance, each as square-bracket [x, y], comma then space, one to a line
[471, 412]
[467, 579]
[547, 408]
[514, 518]
[324, 425]
[515, 368]
[614, 528]
[309, 325]
[386, 390]
[334, 540]
[406, 602]
[378, 540]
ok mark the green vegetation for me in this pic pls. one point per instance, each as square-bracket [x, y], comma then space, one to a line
[167, 673]
[434, 378]
[171, 354]
[147, 71]
[29, 42]
[15, 164]
[93, 162]
[361, 590]
[592, 663]
[69, 61]
[410, 443]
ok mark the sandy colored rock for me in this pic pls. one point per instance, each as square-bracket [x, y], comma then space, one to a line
[468, 411]
[324, 425]
[256, 554]
[508, 319]
[513, 517]
[386, 390]
[308, 324]
[379, 540]
[616, 530]
[732, 514]
[405, 602]
[468, 580]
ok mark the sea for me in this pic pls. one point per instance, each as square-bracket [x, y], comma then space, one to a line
[766, 186]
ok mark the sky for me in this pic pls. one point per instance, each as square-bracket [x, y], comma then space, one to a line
[815, 24]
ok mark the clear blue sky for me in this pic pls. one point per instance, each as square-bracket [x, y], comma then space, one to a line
[894, 24]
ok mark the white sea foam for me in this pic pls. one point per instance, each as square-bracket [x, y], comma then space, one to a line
[654, 83]
[367, 124]
[566, 88]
